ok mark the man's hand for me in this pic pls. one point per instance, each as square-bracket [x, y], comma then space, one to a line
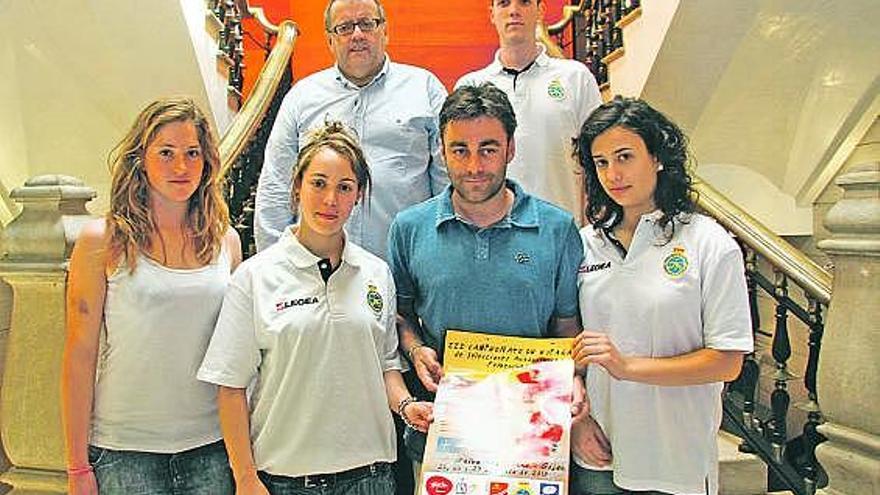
[589, 442]
[427, 367]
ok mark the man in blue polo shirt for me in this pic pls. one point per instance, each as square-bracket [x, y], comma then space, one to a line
[483, 255]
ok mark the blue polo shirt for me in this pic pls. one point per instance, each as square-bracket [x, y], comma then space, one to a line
[511, 278]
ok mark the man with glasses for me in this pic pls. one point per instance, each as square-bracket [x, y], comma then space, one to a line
[552, 97]
[392, 108]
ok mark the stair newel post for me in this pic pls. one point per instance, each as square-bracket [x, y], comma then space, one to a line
[849, 375]
[34, 252]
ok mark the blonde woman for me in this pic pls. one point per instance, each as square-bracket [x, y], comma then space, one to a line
[310, 321]
[146, 284]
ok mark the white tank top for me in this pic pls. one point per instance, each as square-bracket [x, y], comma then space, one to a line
[157, 325]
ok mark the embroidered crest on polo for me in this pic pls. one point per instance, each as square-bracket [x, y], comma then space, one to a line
[521, 257]
[676, 264]
[555, 90]
[374, 299]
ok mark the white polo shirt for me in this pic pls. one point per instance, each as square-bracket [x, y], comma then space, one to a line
[317, 352]
[663, 300]
[551, 99]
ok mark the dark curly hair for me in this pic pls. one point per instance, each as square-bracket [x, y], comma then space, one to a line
[664, 140]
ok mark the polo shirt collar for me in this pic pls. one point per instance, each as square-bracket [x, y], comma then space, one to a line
[652, 218]
[386, 65]
[542, 60]
[302, 258]
[523, 214]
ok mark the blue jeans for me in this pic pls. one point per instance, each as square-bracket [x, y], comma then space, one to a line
[380, 482]
[199, 471]
[589, 482]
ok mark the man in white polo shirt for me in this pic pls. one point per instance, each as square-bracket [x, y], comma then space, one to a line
[551, 97]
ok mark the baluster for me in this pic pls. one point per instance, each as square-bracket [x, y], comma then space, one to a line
[811, 437]
[607, 46]
[218, 7]
[779, 399]
[751, 268]
[616, 13]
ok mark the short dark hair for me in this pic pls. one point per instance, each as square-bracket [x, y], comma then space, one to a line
[663, 139]
[471, 102]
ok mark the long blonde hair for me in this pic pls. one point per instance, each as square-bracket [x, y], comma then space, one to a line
[130, 223]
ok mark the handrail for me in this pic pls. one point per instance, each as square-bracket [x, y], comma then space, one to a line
[552, 48]
[246, 123]
[544, 32]
[260, 15]
[814, 279]
[568, 13]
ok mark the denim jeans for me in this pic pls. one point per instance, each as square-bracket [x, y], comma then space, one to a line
[200, 471]
[589, 482]
[380, 483]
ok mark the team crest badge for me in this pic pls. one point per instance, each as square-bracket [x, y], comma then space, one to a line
[555, 90]
[676, 264]
[374, 299]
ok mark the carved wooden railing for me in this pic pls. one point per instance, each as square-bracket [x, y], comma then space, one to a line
[795, 284]
[230, 45]
[241, 148]
[594, 29]
[764, 427]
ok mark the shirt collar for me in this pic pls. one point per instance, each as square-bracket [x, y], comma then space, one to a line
[303, 258]
[523, 214]
[541, 60]
[386, 65]
[652, 218]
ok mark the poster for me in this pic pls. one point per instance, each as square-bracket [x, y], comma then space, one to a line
[502, 417]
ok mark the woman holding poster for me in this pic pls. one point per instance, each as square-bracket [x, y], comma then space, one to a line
[664, 308]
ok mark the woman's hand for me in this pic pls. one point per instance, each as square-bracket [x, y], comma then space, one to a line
[427, 367]
[589, 442]
[250, 484]
[597, 348]
[419, 415]
[83, 483]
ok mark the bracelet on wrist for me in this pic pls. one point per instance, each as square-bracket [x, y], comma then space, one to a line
[412, 349]
[76, 471]
[401, 407]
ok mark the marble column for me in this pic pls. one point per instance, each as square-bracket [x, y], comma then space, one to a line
[34, 250]
[849, 367]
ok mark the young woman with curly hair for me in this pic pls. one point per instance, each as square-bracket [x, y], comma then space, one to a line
[664, 309]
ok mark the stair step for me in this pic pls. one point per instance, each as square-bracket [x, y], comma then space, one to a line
[739, 473]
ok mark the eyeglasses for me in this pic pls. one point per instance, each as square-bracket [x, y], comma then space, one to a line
[365, 25]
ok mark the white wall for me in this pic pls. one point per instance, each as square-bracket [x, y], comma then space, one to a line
[74, 74]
